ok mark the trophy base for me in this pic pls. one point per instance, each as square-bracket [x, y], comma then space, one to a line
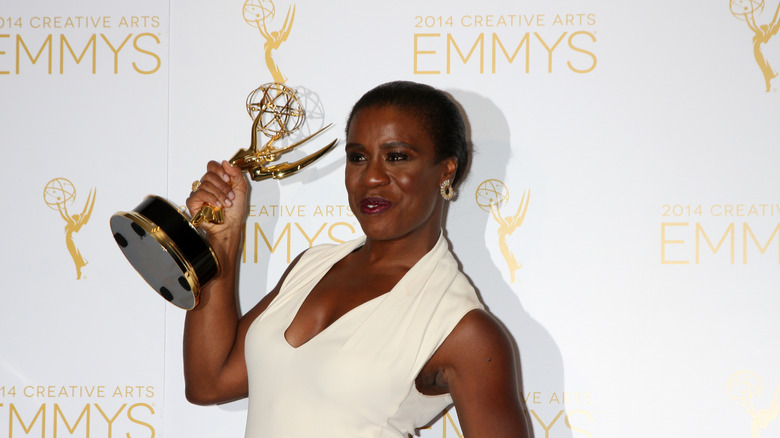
[168, 252]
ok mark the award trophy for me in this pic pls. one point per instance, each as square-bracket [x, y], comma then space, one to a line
[164, 245]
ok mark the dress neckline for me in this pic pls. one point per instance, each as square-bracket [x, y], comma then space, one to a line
[356, 244]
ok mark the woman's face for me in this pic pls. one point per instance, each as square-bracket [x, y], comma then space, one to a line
[392, 174]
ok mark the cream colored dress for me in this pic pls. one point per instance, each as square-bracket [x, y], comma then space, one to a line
[355, 379]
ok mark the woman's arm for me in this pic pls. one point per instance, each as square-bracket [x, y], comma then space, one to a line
[212, 371]
[477, 365]
[214, 332]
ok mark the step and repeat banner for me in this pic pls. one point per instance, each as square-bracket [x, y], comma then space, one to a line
[621, 216]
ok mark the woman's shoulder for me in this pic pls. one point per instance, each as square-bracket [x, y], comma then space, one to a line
[478, 340]
[477, 344]
[479, 369]
[480, 328]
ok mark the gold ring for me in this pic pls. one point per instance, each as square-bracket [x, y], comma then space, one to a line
[195, 185]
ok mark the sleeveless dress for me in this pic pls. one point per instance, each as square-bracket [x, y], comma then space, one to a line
[355, 379]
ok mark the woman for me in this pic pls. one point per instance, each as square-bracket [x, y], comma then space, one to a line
[373, 337]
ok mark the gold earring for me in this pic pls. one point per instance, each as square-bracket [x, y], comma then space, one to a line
[446, 190]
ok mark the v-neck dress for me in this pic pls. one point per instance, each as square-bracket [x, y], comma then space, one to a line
[355, 379]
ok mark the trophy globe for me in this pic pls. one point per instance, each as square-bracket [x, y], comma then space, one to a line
[258, 11]
[491, 192]
[58, 193]
[742, 8]
[744, 385]
[279, 111]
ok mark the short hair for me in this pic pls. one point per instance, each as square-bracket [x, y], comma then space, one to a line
[435, 109]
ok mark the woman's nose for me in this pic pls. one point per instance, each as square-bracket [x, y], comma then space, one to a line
[375, 173]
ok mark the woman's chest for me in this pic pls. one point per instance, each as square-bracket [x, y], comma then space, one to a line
[340, 292]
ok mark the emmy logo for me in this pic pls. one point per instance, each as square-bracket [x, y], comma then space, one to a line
[258, 13]
[491, 194]
[58, 194]
[746, 10]
[743, 387]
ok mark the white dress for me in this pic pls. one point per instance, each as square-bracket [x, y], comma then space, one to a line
[355, 379]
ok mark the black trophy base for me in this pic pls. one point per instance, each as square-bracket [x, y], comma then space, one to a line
[168, 252]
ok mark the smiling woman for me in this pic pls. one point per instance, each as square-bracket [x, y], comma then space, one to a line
[374, 337]
[393, 176]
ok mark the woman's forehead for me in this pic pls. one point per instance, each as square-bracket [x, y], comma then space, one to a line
[388, 121]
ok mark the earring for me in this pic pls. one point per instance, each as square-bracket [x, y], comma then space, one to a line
[447, 192]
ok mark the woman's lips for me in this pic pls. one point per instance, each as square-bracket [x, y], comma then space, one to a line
[374, 205]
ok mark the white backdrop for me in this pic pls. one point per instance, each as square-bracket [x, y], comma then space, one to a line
[641, 141]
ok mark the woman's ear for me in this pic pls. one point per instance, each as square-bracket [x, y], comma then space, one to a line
[449, 167]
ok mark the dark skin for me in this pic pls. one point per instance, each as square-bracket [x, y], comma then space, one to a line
[392, 178]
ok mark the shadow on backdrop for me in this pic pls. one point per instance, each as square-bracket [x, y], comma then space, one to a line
[539, 359]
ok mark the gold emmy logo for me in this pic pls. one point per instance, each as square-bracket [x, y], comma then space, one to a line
[743, 387]
[490, 195]
[58, 194]
[746, 10]
[258, 13]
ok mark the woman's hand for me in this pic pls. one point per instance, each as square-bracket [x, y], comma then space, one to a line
[225, 186]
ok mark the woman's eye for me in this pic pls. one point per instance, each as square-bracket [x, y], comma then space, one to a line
[354, 156]
[396, 156]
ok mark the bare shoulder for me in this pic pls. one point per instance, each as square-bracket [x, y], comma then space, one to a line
[482, 325]
[476, 364]
[480, 342]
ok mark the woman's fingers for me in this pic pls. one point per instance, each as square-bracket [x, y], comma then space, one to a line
[214, 189]
[235, 177]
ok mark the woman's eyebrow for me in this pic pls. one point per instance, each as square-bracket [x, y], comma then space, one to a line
[354, 146]
[383, 146]
[397, 144]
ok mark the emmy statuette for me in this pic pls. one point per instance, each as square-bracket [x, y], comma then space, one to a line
[165, 246]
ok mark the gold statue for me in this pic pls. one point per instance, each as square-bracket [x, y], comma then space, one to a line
[743, 387]
[277, 114]
[745, 10]
[256, 12]
[490, 195]
[506, 226]
[57, 194]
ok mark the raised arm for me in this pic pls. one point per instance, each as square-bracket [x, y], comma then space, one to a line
[214, 332]
[213, 370]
